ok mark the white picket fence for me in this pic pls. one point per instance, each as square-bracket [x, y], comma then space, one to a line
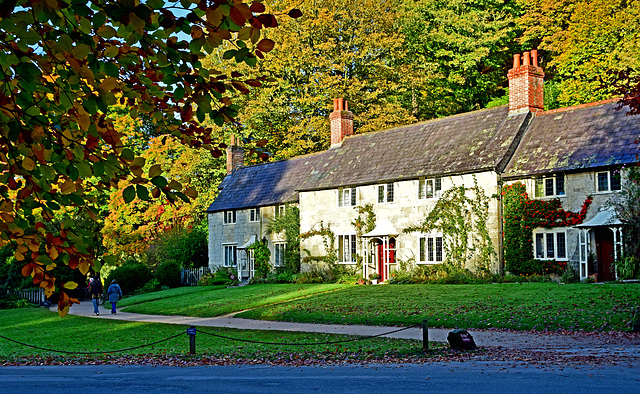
[191, 276]
[35, 296]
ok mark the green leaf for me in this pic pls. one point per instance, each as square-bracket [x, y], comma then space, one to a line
[159, 181]
[129, 193]
[73, 172]
[229, 54]
[127, 154]
[142, 192]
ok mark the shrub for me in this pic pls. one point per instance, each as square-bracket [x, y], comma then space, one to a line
[168, 274]
[280, 276]
[131, 276]
[221, 276]
[315, 275]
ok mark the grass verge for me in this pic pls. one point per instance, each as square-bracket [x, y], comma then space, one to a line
[528, 306]
[222, 301]
[97, 338]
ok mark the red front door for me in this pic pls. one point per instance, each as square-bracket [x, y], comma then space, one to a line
[381, 258]
[604, 254]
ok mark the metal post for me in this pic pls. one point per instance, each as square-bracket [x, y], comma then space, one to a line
[425, 335]
[191, 331]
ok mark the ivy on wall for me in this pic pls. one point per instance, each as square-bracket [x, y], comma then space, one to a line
[261, 258]
[522, 215]
[289, 224]
[461, 216]
[328, 240]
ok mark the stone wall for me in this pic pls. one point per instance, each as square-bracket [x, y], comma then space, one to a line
[406, 210]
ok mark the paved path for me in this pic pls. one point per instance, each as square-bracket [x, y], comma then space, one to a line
[580, 343]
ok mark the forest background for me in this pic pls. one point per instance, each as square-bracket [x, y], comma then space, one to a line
[395, 62]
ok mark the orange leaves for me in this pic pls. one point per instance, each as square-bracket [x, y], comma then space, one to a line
[64, 303]
[265, 45]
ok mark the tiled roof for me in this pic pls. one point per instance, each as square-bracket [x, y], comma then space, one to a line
[263, 184]
[586, 136]
[470, 142]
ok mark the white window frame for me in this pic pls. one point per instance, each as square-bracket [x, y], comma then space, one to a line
[230, 252]
[347, 197]
[547, 244]
[254, 215]
[385, 193]
[549, 186]
[609, 174]
[229, 217]
[431, 249]
[347, 248]
[429, 188]
[278, 253]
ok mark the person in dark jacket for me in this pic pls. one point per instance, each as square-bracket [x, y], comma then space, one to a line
[114, 293]
[95, 288]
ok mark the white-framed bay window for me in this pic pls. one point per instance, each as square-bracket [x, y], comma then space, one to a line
[347, 248]
[550, 244]
[431, 249]
[230, 255]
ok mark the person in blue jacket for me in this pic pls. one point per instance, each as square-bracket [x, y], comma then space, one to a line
[114, 293]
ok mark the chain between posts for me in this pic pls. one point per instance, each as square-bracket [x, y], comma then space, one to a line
[191, 332]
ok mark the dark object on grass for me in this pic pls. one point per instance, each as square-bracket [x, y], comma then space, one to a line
[635, 321]
[461, 339]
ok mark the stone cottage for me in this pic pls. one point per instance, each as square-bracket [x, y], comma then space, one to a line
[402, 172]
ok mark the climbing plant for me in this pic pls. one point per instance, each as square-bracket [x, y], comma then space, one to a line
[364, 223]
[328, 240]
[261, 256]
[522, 215]
[289, 223]
[461, 216]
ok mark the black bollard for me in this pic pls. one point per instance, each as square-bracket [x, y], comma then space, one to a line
[425, 335]
[191, 331]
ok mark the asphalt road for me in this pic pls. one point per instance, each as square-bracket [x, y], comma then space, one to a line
[456, 377]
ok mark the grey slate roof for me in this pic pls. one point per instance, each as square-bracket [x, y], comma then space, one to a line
[470, 142]
[464, 143]
[263, 184]
[586, 136]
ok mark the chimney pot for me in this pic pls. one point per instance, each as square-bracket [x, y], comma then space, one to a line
[235, 155]
[526, 84]
[341, 120]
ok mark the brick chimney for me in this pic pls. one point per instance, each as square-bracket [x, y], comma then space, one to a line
[235, 155]
[526, 84]
[341, 121]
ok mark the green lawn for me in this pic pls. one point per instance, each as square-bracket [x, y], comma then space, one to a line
[42, 328]
[216, 301]
[539, 306]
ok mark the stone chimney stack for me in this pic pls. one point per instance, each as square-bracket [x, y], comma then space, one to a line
[341, 121]
[526, 84]
[235, 155]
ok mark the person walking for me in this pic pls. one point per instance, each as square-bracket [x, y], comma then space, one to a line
[114, 293]
[95, 289]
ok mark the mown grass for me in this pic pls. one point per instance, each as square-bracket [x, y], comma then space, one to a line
[161, 295]
[78, 335]
[527, 306]
[222, 301]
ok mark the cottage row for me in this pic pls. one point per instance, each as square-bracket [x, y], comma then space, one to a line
[571, 154]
